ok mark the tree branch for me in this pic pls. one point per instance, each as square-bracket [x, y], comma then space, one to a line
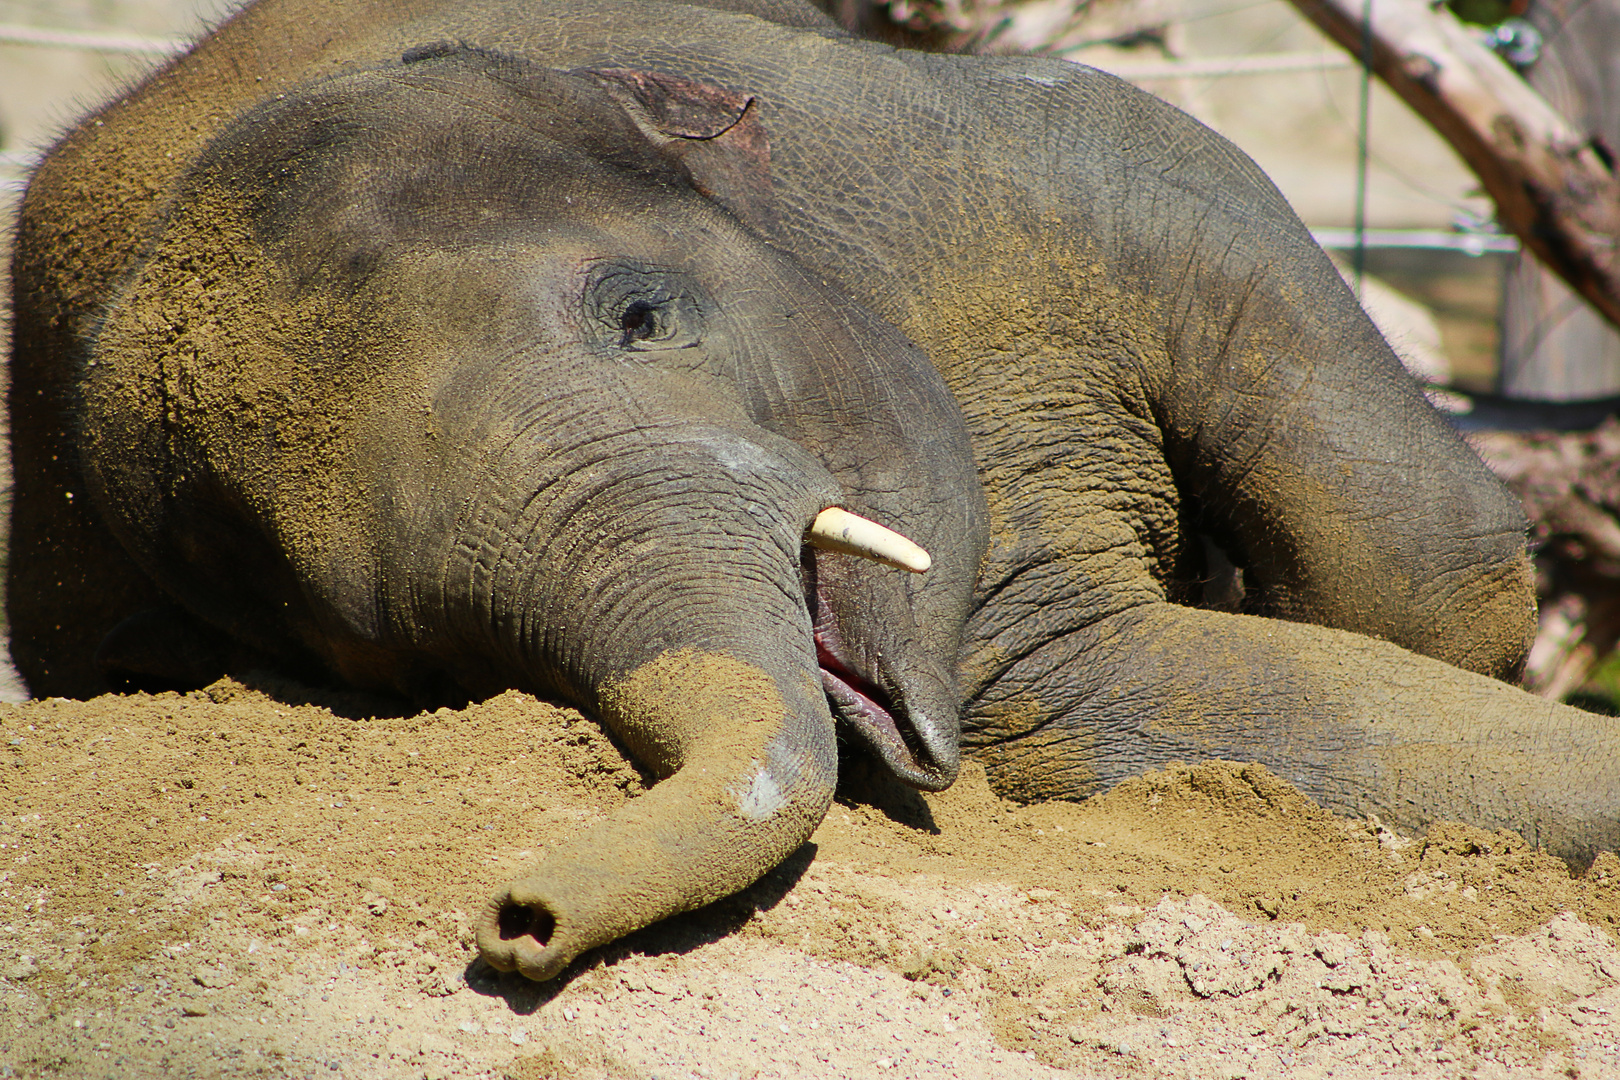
[1553, 185]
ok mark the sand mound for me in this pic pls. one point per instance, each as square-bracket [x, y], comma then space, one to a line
[227, 883]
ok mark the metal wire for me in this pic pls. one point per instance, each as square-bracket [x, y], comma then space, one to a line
[1363, 118]
[17, 34]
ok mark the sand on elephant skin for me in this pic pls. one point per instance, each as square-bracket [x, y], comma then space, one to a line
[226, 883]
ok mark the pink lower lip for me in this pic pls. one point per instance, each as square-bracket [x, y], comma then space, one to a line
[843, 684]
[836, 672]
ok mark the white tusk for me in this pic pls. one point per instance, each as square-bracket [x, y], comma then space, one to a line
[836, 529]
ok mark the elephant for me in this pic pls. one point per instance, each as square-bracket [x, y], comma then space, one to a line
[751, 386]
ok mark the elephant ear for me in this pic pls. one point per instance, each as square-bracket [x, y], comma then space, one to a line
[712, 133]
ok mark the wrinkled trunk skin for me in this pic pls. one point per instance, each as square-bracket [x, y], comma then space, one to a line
[710, 679]
[696, 651]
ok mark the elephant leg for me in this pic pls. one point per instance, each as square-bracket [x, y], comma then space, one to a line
[1360, 725]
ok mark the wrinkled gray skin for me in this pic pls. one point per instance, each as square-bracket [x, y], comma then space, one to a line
[527, 361]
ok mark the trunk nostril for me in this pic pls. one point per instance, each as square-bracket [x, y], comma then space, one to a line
[520, 920]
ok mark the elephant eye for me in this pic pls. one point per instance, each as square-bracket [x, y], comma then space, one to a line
[638, 307]
[640, 322]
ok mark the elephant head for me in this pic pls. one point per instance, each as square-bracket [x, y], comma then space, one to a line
[467, 372]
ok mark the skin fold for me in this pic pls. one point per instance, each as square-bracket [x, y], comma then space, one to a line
[444, 348]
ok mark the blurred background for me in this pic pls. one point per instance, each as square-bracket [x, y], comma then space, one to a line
[1382, 191]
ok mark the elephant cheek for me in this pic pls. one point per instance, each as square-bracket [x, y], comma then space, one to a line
[752, 762]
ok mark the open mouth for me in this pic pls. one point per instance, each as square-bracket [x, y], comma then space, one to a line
[877, 716]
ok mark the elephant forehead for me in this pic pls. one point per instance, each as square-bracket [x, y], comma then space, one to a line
[392, 163]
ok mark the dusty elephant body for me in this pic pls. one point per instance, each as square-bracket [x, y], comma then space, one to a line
[448, 347]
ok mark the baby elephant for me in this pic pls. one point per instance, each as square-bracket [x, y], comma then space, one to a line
[745, 383]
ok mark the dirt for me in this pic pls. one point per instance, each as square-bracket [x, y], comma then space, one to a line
[228, 883]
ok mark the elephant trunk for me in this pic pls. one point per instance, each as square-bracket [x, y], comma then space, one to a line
[756, 769]
[698, 654]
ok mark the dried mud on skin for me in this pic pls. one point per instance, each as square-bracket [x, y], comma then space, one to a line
[224, 884]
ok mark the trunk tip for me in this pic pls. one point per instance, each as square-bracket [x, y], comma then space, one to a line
[514, 936]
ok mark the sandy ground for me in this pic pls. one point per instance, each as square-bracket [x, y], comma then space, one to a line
[227, 883]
